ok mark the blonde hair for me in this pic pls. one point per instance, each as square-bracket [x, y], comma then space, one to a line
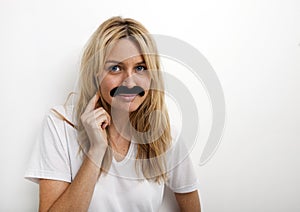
[150, 155]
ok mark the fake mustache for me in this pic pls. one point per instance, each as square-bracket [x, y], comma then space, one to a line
[124, 90]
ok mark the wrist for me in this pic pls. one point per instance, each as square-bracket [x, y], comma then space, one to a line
[98, 148]
[96, 153]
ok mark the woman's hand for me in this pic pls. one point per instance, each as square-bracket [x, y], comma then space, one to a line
[94, 122]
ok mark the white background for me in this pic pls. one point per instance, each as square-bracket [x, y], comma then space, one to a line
[254, 47]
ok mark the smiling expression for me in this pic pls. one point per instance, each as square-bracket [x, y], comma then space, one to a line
[124, 66]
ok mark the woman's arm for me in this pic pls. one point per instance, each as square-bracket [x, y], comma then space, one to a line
[188, 202]
[63, 196]
[76, 196]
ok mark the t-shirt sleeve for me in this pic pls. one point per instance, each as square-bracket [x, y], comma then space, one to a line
[181, 173]
[50, 157]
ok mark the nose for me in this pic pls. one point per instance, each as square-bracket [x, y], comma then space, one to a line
[129, 79]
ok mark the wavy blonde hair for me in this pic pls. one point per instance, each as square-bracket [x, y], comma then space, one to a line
[150, 155]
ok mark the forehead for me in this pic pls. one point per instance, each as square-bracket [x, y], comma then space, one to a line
[124, 49]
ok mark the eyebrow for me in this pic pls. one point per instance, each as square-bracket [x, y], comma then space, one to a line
[118, 62]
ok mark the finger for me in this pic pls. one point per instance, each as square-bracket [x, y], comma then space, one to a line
[92, 103]
[102, 121]
[99, 111]
[96, 122]
[94, 117]
[104, 126]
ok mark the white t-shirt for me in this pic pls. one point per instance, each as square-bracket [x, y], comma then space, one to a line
[56, 157]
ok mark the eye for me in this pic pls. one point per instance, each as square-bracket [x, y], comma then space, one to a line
[114, 68]
[140, 68]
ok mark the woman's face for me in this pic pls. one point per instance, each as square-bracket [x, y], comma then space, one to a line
[125, 80]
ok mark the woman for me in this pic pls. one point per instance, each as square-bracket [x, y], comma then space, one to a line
[115, 151]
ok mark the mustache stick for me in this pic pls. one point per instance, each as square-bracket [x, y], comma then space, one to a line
[125, 90]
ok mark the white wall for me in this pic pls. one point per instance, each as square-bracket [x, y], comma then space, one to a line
[254, 47]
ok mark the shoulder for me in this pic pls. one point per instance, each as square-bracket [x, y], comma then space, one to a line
[57, 121]
[175, 134]
[180, 168]
[67, 111]
[179, 149]
[51, 157]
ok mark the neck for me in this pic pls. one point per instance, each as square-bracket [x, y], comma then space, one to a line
[119, 130]
[119, 136]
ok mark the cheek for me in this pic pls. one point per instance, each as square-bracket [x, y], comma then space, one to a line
[138, 102]
[144, 97]
[145, 83]
[106, 86]
[106, 97]
[104, 89]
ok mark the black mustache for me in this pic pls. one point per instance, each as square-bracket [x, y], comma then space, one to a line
[124, 90]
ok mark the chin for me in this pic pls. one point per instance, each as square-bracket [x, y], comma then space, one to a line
[129, 107]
